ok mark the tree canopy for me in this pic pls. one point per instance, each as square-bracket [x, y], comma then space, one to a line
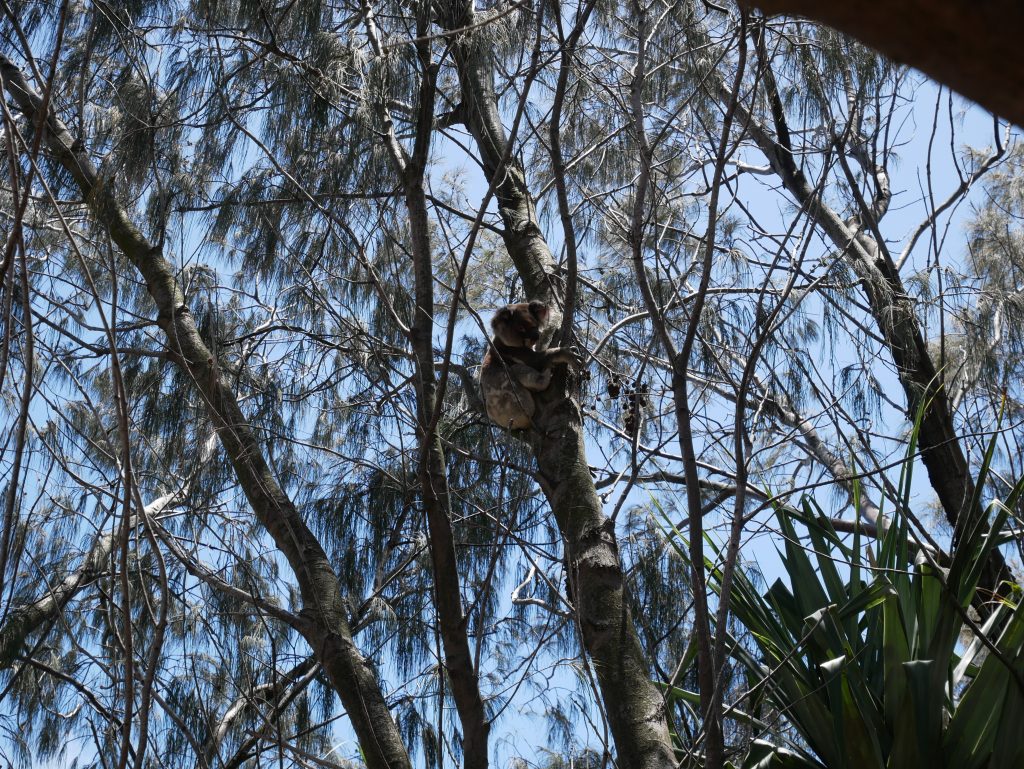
[254, 511]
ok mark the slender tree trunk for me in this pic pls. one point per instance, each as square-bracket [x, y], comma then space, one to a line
[634, 706]
[432, 470]
[434, 492]
[326, 628]
[433, 473]
[893, 312]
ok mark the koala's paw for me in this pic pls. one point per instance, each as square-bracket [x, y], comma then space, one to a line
[572, 357]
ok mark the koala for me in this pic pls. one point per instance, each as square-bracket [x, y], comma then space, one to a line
[512, 368]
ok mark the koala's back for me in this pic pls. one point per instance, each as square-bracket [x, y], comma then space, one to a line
[512, 368]
[508, 403]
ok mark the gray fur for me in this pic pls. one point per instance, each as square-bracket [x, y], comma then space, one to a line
[512, 368]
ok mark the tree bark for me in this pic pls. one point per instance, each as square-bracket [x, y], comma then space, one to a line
[25, 619]
[275, 695]
[893, 311]
[433, 473]
[326, 625]
[635, 708]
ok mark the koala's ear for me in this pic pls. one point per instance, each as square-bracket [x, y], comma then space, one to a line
[539, 310]
[504, 315]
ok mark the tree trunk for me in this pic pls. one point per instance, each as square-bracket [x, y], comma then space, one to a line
[326, 628]
[634, 706]
[893, 311]
[433, 473]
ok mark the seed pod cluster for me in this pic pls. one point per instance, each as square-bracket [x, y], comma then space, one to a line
[635, 397]
[614, 386]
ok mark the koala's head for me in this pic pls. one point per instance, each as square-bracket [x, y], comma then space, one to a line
[519, 325]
